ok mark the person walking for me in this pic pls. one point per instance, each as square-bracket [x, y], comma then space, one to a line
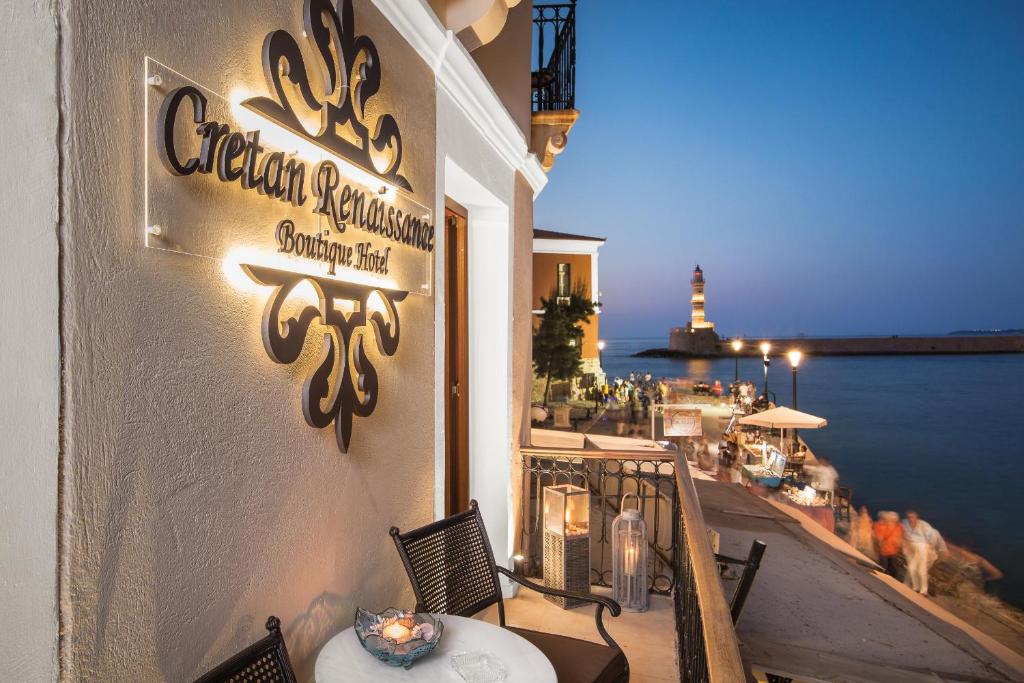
[861, 536]
[922, 545]
[888, 535]
[705, 460]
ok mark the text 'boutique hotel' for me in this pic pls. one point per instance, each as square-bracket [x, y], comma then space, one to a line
[267, 268]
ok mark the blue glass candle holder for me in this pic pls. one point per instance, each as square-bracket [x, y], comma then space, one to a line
[395, 637]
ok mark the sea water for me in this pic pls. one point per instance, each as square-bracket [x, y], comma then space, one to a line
[940, 434]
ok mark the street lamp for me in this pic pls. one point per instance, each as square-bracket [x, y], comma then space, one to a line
[765, 348]
[737, 344]
[794, 360]
[600, 352]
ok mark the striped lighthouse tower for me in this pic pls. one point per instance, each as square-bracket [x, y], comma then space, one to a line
[697, 321]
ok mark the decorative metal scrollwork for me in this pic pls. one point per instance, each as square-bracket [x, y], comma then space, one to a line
[344, 358]
[351, 76]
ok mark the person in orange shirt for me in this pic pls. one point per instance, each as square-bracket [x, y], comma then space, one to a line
[888, 534]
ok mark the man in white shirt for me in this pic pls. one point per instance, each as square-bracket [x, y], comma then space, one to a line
[824, 478]
[922, 545]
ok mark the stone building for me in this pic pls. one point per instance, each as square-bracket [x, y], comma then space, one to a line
[563, 262]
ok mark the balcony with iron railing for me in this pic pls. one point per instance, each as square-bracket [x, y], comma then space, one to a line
[553, 79]
[688, 632]
[554, 58]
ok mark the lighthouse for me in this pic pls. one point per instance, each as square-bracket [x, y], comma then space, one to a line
[698, 338]
[697, 321]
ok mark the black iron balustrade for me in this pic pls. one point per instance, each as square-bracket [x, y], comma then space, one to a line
[651, 478]
[554, 60]
[681, 562]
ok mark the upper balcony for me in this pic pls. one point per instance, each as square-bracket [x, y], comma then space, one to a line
[553, 79]
[554, 57]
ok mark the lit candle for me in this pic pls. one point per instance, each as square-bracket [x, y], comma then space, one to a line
[397, 632]
[630, 560]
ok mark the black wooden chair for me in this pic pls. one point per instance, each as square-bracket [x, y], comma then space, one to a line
[452, 570]
[842, 503]
[265, 661]
[750, 567]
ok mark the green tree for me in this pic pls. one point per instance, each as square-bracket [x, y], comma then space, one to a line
[558, 339]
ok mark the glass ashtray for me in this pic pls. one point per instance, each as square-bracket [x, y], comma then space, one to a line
[478, 667]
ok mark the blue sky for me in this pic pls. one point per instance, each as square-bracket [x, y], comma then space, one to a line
[835, 167]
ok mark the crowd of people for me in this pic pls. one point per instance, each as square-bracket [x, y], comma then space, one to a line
[909, 547]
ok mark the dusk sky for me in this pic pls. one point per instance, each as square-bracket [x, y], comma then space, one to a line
[835, 168]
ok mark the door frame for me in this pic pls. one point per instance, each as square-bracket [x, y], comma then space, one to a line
[456, 358]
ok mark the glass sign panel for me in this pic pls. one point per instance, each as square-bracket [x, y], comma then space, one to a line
[226, 182]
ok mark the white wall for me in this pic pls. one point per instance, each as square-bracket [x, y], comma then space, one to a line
[474, 175]
[29, 343]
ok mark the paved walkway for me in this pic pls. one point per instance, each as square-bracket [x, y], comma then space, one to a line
[817, 609]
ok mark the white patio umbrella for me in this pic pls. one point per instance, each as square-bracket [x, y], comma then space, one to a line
[784, 418]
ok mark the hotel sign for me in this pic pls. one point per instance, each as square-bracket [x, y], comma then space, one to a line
[304, 185]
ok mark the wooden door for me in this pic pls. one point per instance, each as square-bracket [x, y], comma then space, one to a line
[456, 364]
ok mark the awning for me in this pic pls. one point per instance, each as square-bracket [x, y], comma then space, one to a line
[784, 418]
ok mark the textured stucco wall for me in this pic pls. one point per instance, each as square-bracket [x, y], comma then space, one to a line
[506, 63]
[522, 339]
[29, 345]
[545, 281]
[197, 500]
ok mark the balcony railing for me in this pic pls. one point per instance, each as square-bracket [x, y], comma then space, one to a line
[681, 562]
[554, 60]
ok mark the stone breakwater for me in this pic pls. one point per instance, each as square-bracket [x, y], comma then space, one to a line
[852, 346]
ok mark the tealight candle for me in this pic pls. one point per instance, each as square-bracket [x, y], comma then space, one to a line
[397, 632]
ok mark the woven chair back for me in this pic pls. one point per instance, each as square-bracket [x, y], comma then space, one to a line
[450, 564]
[265, 661]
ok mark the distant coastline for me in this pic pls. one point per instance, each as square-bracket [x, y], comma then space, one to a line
[955, 343]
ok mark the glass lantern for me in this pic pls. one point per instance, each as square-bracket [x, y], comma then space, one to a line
[567, 510]
[567, 541]
[629, 558]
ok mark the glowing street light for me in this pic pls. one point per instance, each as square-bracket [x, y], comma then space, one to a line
[794, 360]
[737, 345]
[765, 348]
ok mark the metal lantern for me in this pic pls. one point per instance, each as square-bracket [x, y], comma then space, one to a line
[567, 541]
[629, 558]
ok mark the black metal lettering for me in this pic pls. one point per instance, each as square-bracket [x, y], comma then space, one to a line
[231, 149]
[325, 182]
[165, 127]
[296, 172]
[250, 178]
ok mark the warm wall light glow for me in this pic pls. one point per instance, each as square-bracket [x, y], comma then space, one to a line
[794, 358]
[600, 345]
[277, 136]
[737, 344]
[231, 267]
[765, 348]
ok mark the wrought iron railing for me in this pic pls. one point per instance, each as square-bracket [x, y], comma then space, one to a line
[681, 562]
[706, 641]
[608, 477]
[554, 60]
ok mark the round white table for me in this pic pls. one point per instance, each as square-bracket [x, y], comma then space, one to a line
[343, 659]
